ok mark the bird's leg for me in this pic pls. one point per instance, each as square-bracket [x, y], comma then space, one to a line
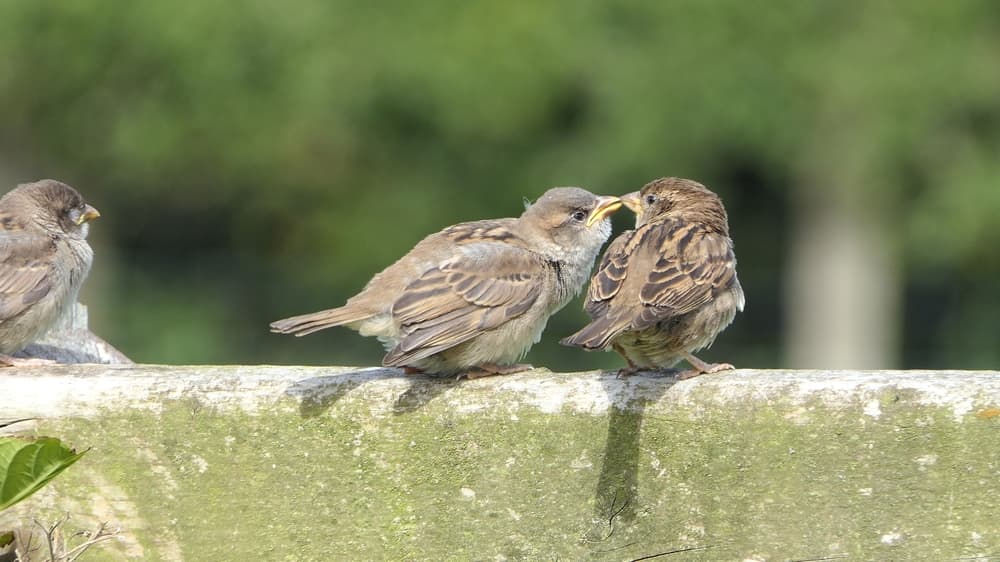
[492, 369]
[8, 361]
[625, 371]
[701, 368]
[412, 371]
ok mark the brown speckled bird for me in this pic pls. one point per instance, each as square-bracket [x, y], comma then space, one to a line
[669, 287]
[473, 298]
[44, 259]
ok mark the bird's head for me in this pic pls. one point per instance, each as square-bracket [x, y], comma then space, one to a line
[571, 218]
[676, 198]
[57, 206]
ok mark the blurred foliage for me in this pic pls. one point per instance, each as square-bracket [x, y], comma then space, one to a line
[262, 159]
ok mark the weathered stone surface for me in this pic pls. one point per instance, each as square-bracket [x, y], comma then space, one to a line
[71, 341]
[297, 463]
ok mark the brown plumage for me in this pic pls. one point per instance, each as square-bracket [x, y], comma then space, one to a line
[44, 259]
[667, 288]
[476, 296]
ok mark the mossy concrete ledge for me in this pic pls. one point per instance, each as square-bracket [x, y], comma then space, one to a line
[299, 463]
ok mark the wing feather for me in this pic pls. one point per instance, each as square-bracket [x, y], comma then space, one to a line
[485, 286]
[691, 265]
[659, 271]
[26, 260]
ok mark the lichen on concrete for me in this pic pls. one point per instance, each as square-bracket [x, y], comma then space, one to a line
[322, 464]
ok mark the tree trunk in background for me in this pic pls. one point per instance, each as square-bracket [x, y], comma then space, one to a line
[842, 299]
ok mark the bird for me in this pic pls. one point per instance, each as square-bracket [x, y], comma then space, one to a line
[473, 298]
[44, 260]
[667, 288]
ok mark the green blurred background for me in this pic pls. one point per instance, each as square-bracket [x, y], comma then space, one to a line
[259, 159]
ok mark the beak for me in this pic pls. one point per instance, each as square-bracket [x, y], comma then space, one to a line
[89, 214]
[633, 202]
[605, 206]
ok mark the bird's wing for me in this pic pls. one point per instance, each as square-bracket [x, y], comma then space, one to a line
[612, 294]
[25, 270]
[483, 286]
[611, 273]
[683, 266]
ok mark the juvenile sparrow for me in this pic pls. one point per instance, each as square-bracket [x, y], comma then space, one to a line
[669, 287]
[44, 258]
[476, 296]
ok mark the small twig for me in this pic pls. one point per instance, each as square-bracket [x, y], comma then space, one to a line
[96, 537]
[611, 519]
[678, 551]
[12, 422]
[614, 513]
[833, 557]
[29, 548]
[59, 553]
[49, 532]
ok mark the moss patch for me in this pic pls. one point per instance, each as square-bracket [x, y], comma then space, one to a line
[765, 480]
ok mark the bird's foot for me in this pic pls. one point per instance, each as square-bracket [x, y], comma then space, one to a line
[492, 370]
[632, 367]
[626, 372]
[8, 361]
[702, 368]
[412, 371]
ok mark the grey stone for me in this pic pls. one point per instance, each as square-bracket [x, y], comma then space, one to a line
[71, 341]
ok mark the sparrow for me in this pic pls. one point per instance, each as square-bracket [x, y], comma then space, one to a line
[44, 259]
[667, 288]
[474, 297]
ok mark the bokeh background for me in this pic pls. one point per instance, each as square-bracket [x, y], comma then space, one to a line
[259, 159]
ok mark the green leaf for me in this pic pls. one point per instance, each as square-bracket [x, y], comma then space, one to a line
[27, 464]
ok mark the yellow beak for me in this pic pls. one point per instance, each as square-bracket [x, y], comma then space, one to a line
[633, 202]
[605, 206]
[89, 214]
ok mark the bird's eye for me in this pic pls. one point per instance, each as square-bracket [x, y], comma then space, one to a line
[650, 199]
[579, 216]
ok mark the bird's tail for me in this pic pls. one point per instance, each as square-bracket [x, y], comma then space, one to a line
[596, 335]
[313, 322]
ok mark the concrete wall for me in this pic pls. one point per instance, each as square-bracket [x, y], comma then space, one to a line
[295, 463]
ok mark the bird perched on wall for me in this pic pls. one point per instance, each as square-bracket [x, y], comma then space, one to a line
[473, 298]
[669, 287]
[44, 259]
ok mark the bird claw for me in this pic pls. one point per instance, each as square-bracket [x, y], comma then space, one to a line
[710, 368]
[626, 372]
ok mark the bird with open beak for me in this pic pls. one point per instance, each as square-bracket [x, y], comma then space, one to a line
[44, 259]
[474, 297]
[667, 288]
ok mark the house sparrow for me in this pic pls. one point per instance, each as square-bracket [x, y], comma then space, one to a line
[473, 298]
[667, 288]
[44, 258]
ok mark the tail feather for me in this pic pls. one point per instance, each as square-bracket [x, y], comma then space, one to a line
[315, 321]
[596, 335]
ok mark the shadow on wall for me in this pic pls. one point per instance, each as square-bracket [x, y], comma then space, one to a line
[317, 395]
[617, 500]
[617, 496]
